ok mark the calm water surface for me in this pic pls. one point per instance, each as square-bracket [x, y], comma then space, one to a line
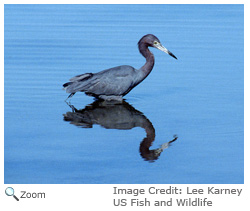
[197, 98]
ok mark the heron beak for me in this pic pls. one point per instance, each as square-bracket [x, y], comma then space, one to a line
[162, 48]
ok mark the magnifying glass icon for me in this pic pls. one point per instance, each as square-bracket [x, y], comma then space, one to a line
[10, 192]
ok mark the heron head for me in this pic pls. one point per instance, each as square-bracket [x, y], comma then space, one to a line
[153, 41]
[159, 46]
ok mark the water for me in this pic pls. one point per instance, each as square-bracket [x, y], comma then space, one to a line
[198, 97]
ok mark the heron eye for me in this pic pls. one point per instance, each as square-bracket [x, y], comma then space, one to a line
[155, 42]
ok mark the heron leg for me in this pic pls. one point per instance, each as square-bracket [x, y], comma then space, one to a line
[110, 98]
[71, 106]
[70, 96]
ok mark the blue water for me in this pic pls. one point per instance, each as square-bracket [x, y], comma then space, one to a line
[198, 98]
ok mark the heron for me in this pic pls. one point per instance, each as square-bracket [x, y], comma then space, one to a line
[114, 83]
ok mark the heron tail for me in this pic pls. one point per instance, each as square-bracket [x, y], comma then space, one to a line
[67, 84]
[77, 83]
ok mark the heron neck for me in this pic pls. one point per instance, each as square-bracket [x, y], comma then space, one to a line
[144, 71]
[150, 60]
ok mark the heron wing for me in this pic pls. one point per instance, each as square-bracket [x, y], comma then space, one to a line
[114, 81]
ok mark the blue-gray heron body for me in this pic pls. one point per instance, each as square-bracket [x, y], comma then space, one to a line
[114, 83]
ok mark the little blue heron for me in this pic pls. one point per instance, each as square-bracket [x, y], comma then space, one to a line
[114, 83]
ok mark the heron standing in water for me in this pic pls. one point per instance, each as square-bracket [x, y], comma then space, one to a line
[114, 83]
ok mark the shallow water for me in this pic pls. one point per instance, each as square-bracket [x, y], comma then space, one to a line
[197, 98]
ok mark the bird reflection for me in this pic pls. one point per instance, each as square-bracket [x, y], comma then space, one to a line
[121, 116]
